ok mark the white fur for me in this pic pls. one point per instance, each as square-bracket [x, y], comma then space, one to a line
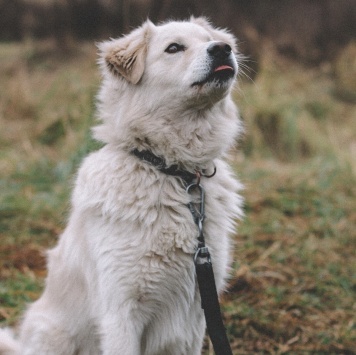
[121, 279]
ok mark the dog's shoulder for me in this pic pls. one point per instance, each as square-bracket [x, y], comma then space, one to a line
[114, 183]
[98, 169]
[101, 177]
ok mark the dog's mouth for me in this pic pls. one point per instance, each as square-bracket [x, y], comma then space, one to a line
[219, 74]
[223, 67]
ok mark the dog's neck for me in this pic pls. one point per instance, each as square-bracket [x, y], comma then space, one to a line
[160, 164]
[182, 155]
[192, 139]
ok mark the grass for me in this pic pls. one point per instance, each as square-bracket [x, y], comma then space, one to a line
[293, 281]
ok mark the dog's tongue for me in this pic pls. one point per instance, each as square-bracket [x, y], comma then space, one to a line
[223, 67]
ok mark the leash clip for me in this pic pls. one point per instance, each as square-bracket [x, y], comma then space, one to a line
[199, 211]
[202, 253]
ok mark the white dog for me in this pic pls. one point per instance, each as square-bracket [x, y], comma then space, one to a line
[122, 278]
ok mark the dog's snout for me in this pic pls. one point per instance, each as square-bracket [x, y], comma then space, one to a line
[219, 50]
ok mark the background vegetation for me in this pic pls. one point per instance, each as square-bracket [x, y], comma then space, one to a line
[293, 285]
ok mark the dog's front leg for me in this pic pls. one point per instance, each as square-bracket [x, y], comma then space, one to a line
[119, 318]
[120, 334]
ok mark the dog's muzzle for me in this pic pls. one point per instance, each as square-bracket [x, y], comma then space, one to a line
[222, 67]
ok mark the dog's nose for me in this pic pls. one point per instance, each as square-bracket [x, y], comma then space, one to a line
[219, 50]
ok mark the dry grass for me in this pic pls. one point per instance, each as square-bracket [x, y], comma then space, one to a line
[293, 284]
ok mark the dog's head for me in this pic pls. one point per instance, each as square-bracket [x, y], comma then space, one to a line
[166, 88]
[191, 59]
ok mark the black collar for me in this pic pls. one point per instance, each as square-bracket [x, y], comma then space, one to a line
[160, 164]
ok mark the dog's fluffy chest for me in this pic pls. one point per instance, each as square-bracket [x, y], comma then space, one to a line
[149, 208]
[150, 235]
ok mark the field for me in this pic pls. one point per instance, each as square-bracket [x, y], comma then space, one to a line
[293, 284]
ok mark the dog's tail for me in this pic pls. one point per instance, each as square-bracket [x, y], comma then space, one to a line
[8, 344]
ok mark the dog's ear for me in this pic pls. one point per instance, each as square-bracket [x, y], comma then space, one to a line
[218, 34]
[126, 56]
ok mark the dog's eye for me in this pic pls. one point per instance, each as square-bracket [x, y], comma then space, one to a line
[174, 48]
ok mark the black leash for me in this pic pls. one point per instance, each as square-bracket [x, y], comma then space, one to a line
[202, 260]
[206, 280]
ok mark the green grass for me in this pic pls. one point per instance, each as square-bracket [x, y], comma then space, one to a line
[294, 274]
[16, 290]
[293, 284]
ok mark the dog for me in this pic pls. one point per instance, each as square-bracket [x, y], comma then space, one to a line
[121, 279]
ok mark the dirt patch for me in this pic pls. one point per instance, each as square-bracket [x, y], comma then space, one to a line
[23, 258]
